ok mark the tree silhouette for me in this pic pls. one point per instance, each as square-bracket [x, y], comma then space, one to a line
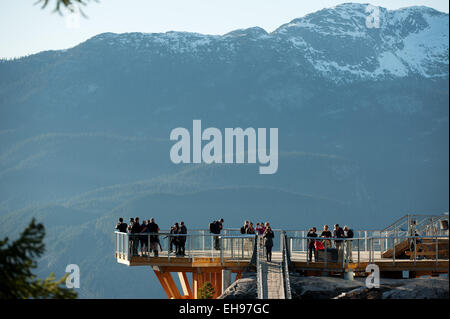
[70, 5]
[17, 260]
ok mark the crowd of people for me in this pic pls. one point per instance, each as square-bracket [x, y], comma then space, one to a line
[144, 237]
[265, 233]
[340, 237]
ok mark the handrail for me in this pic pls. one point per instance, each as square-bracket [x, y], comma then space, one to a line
[412, 240]
[285, 268]
[259, 278]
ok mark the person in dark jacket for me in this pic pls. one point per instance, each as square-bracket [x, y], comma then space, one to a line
[268, 241]
[154, 239]
[144, 238]
[217, 228]
[135, 230]
[173, 240]
[121, 226]
[338, 233]
[244, 227]
[311, 243]
[182, 239]
[348, 233]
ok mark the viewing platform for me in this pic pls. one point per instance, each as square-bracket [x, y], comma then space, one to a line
[396, 253]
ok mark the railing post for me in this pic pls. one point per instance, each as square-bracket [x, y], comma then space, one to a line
[303, 241]
[307, 254]
[148, 246]
[190, 247]
[168, 246]
[232, 247]
[386, 241]
[129, 248]
[415, 250]
[115, 244]
[124, 246]
[221, 249]
[326, 254]
[359, 253]
[437, 248]
[393, 250]
[365, 240]
[203, 241]
[372, 250]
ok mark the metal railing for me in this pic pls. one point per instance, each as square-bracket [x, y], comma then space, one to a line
[237, 247]
[198, 243]
[373, 248]
[234, 246]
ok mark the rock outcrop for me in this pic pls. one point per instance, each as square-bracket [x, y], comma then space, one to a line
[337, 288]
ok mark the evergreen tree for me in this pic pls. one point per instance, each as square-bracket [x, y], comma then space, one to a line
[17, 260]
[206, 291]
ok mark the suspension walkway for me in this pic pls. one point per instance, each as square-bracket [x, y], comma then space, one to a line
[415, 244]
[273, 276]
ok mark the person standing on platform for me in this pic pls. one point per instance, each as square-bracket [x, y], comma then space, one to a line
[173, 239]
[215, 228]
[244, 227]
[135, 230]
[182, 239]
[326, 233]
[338, 233]
[268, 241]
[121, 226]
[348, 234]
[154, 239]
[312, 244]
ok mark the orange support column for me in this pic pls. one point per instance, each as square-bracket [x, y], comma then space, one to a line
[163, 283]
[167, 277]
[207, 277]
[195, 284]
[200, 281]
[218, 285]
[185, 284]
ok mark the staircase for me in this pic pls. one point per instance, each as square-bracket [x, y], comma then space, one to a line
[422, 225]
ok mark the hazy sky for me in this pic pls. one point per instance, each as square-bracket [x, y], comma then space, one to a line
[26, 29]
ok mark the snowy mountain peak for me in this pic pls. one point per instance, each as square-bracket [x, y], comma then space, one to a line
[344, 43]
